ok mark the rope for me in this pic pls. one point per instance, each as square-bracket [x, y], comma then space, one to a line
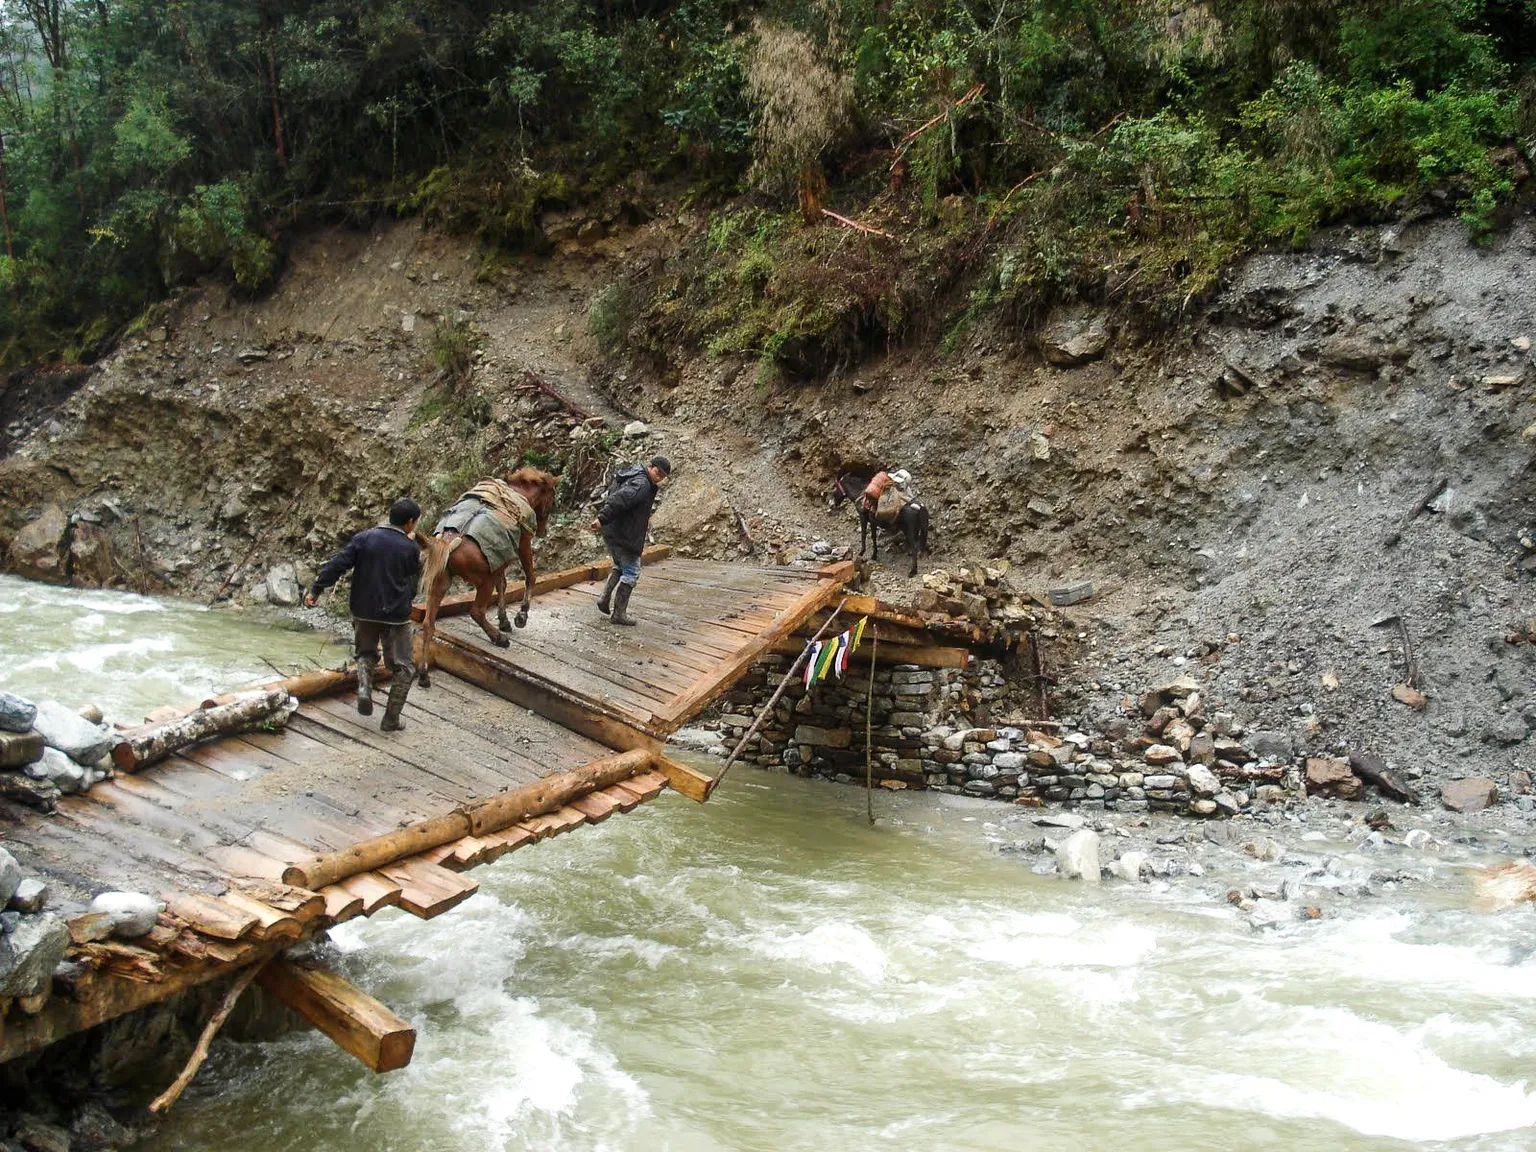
[779, 691]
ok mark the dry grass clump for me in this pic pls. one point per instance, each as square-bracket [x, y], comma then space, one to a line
[804, 107]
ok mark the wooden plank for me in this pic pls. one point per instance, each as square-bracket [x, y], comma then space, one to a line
[689, 781]
[595, 806]
[271, 924]
[643, 786]
[621, 796]
[300, 903]
[428, 890]
[212, 917]
[358, 1023]
[548, 698]
[373, 890]
[699, 697]
[507, 840]
[341, 905]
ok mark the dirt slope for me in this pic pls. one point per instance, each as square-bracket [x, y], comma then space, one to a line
[230, 436]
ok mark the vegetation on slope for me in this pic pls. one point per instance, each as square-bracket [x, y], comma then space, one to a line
[1017, 152]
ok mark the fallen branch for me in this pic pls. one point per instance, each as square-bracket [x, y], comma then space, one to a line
[533, 382]
[906, 141]
[162, 1102]
[847, 223]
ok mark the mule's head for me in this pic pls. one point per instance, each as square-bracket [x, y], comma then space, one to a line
[538, 488]
[849, 486]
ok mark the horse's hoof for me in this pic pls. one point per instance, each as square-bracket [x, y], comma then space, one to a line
[504, 624]
[502, 642]
[424, 680]
[521, 619]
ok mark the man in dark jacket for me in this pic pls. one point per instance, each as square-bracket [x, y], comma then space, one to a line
[623, 519]
[385, 564]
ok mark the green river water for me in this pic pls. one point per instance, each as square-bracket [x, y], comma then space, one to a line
[767, 972]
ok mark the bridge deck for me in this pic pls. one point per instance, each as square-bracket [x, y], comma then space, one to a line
[260, 839]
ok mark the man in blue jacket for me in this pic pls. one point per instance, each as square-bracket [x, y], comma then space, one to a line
[623, 520]
[385, 564]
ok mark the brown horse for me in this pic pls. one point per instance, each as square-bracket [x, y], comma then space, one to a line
[453, 554]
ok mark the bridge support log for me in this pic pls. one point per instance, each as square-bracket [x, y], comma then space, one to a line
[358, 1023]
[500, 811]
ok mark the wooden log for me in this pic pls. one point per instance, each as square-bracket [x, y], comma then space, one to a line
[328, 867]
[553, 792]
[426, 889]
[143, 746]
[18, 748]
[341, 905]
[211, 917]
[358, 1023]
[271, 924]
[924, 656]
[210, 1030]
[690, 782]
[372, 889]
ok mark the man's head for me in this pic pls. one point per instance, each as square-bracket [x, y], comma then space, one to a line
[404, 513]
[659, 469]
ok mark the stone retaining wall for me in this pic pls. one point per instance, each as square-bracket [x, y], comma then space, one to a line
[922, 739]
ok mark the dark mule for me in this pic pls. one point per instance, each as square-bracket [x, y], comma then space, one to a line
[911, 521]
[453, 554]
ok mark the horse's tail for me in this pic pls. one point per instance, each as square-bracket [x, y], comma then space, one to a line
[438, 551]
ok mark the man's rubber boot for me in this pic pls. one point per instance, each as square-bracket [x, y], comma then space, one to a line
[605, 604]
[621, 605]
[365, 687]
[398, 687]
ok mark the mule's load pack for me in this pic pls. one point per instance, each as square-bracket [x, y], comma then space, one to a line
[884, 498]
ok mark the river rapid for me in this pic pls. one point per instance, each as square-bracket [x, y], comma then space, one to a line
[769, 972]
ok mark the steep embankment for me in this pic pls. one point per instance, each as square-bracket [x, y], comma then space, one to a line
[1229, 485]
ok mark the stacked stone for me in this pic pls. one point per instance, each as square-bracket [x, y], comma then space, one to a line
[32, 941]
[46, 750]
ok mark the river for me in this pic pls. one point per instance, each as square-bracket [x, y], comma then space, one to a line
[769, 972]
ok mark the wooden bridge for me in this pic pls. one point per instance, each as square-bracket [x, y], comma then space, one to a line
[259, 840]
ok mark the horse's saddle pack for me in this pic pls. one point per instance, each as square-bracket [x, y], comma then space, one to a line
[493, 515]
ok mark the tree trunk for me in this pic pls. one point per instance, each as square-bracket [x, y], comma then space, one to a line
[143, 746]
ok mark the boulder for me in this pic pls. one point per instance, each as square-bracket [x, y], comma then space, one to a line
[1162, 754]
[72, 734]
[1130, 866]
[1327, 776]
[1202, 781]
[30, 896]
[1072, 340]
[29, 955]
[39, 794]
[1069, 594]
[92, 563]
[35, 1134]
[132, 914]
[1271, 745]
[1471, 795]
[283, 586]
[39, 550]
[10, 877]
[16, 714]
[1077, 857]
[60, 771]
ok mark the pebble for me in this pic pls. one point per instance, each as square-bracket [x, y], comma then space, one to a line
[16, 713]
[10, 877]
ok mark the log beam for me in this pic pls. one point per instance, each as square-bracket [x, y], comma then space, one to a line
[553, 582]
[358, 1023]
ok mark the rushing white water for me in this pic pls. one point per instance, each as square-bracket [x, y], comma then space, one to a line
[766, 972]
[128, 654]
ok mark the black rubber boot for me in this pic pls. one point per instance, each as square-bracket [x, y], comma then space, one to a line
[398, 688]
[605, 604]
[621, 605]
[365, 687]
